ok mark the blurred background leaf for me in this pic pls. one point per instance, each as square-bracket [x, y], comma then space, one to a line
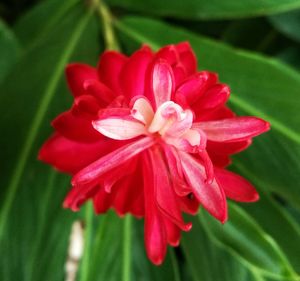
[261, 241]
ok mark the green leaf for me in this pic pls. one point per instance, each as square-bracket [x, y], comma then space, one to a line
[288, 23]
[35, 25]
[202, 9]
[261, 86]
[34, 229]
[242, 236]
[9, 50]
[206, 261]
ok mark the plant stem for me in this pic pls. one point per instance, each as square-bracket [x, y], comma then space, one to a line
[126, 249]
[87, 242]
[110, 39]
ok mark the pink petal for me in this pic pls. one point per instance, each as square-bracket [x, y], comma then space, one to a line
[75, 128]
[233, 129]
[235, 186]
[70, 156]
[77, 74]
[155, 232]
[132, 77]
[165, 195]
[91, 173]
[120, 128]
[211, 196]
[109, 69]
[142, 110]
[162, 82]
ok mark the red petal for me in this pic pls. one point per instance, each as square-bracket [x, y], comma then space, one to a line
[211, 196]
[132, 77]
[233, 129]
[75, 128]
[235, 186]
[173, 233]
[187, 57]
[85, 106]
[227, 147]
[212, 99]
[101, 92]
[77, 74]
[70, 156]
[102, 201]
[165, 195]
[194, 87]
[155, 232]
[109, 69]
[90, 175]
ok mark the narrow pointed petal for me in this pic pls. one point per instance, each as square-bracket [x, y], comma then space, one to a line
[165, 195]
[233, 129]
[124, 128]
[111, 160]
[155, 232]
[109, 69]
[132, 76]
[211, 196]
[162, 82]
[77, 74]
[236, 187]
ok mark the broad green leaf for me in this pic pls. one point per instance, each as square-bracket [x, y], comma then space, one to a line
[34, 229]
[260, 86]
[202, 9]
[275, 220]
[290, 55]
[108, 258]
[242, 236]
[35, 25]
[208, 262]
[9, 49]
[288, 23]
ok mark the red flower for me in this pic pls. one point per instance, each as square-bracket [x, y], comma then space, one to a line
[149, 135]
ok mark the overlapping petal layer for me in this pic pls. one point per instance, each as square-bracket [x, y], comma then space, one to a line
[149, 135]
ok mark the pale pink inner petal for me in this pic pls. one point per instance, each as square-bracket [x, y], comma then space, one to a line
[162, 82]
[119, 128]
[142, 110]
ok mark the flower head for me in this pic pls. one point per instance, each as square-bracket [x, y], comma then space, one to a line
[150, 135]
